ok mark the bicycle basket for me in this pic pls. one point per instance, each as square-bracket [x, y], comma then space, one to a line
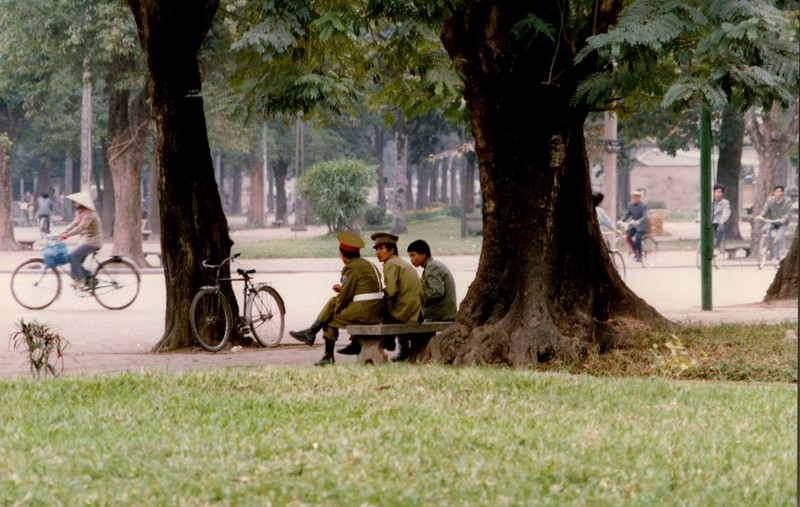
[55, 254]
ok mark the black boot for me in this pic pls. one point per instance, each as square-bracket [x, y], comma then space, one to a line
[388, 344]
[307, 336]
[328, 357]
[405, 352]
[352, 349]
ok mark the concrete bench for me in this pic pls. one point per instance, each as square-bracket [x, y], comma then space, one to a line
[26, 244]
[146, 234]
[371, 335]
[277, 224]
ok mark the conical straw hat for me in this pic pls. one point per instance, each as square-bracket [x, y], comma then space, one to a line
[82, 198]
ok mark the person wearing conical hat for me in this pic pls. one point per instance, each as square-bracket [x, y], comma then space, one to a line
[87, 225]
[357, 300]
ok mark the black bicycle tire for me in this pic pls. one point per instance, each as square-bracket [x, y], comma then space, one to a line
[99, 275]
[198, 331]
[273, 339]
[15, 290]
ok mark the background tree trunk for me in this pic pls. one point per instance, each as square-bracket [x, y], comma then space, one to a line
[379, 142]
[7, 241]
[236, 190]
[785, 284]
[193, 225]
[280, 169]
[105, 195]
[401, 179]
[545, 286]
[255, 212]
[153, 217]
[729, 167]
[127, 131]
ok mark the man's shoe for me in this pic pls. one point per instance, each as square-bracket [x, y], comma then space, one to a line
[388, 344]
[351, 349]
[401, 357]
[305, 336]
[77, 284]
[325, 360]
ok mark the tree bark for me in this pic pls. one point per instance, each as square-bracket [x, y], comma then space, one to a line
[236, 190]
[423, 185]
[193, 225]
[7, 241]
[401, 178]
[545, 286]
[255, 212]
[153, 216]
[784, 286]
[379, 142]
[280, 169]
[729, 167]
[105, 195]
[127, 131]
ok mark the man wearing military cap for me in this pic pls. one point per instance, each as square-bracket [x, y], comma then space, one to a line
[403, 293]
[357, 300]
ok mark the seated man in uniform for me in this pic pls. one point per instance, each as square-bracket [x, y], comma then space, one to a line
[439, 289]
[357, 300]
[403, 294]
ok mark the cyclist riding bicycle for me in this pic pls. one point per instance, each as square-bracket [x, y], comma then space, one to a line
[637, 211]
[87, 225]
[44, 209]
[779, 209]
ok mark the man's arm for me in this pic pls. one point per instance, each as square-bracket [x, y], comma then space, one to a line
[726, 211]
[433, 283]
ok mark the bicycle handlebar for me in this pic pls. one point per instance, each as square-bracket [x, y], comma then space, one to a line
[205, 263]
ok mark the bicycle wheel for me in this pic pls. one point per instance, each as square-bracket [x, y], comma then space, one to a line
[763, 250]
[619, 263]
[264, 314]
[649, 252]
[34, 285]
[115, 283]
[211, 319]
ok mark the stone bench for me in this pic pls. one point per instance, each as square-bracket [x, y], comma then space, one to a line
[26, 244]
[371, 335]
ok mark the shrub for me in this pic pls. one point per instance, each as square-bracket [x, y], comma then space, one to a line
[337, 192]
[435, 209]
[45, 347]
[375, 215]
[656, 205]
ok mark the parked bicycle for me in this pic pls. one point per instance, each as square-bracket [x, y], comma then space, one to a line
[767, 244]
[36, 283]
[649, 250]
[212, 319]
[616, 256]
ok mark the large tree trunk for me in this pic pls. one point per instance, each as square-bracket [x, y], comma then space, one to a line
[236, 190]
[785, 284]
[7, 241]
[193, 225]
[729, 168]
[402, 190]
[127, 131]
[105, 195]
[545, 286]
[423, 185]
[153, 215]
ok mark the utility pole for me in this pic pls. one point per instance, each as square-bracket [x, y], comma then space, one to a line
[706, 244]
[610, 164]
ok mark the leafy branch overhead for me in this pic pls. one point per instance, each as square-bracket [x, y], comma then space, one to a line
[681, 53]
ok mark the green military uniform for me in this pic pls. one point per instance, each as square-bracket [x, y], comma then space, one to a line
[440, 292]
[403, 293]
[358, 301]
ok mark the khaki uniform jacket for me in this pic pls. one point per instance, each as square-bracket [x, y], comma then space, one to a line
[440, 292]
[403, 291]
[88, 226]
[359, 276]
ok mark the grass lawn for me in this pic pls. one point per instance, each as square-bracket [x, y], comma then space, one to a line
[396, 435]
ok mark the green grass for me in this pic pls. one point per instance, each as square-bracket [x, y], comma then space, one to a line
[442, 233]
[395, 435]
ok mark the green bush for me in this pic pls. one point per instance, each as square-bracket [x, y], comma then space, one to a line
[375, 215]
[337, 192]
[656, 205]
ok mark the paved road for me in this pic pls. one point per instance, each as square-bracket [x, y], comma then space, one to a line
[672, 287]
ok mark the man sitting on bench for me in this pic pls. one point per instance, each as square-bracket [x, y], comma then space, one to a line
[357, 300]
[403, 294]
[439, 290]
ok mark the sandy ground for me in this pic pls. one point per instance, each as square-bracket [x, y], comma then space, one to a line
[102, 341]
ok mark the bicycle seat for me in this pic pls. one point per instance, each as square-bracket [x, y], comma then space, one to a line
[245, 272]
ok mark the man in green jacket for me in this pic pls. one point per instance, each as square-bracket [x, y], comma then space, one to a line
[439, 287]
[402, 291]
[778, 209]
[357, 300]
